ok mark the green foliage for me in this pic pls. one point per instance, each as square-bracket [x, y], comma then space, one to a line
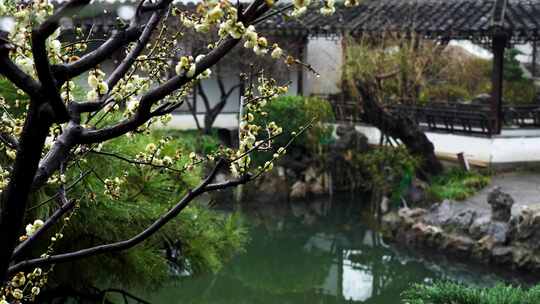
[193, 140]
[206, 238]
[388, 169]
[9, 91]
[293, 112]
[439, 75]
[17, 102]
[516, 88]
[512, 67]
[465, 78]
[444, 92]
[396, 64]
[454, 293]
[457, 184]
[519, 91]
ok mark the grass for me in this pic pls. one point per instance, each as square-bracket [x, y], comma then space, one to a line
[454, 293]
[457, 184]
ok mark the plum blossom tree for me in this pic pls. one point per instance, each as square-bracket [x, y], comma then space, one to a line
[55, 129]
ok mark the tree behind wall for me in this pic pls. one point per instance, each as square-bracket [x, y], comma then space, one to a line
[392, 70]
[240, 62]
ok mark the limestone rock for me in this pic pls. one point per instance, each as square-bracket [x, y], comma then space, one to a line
[270, 184]
[349, 138]
[459, 245]
[483, 226]
[502, 255]
[526, 227]
[410, 216]
[482, 249]
[390, 223]
[299, 190]
[431, 236]
[523, 258]
[501, 205]
[318, 185]
[462, 221]
[439, 214]
[310, 174]
[478, 227]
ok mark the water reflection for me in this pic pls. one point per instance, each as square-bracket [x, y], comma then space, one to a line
[315, 252]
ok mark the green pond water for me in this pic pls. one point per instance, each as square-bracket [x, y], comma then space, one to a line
[317, 251]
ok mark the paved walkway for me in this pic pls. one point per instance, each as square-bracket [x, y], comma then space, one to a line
[522, 186]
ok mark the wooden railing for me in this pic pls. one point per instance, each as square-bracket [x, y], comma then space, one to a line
[450, 117]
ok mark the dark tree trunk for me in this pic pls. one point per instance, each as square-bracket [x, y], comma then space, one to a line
[14, 198]
[402, 128]
[211, 113]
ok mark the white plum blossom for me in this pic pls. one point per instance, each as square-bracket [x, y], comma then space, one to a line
[328, 8]
[277, 52]
[186, 65]
[112, 187]
[26, 64]
[215, 14]
[92, 95]
[202, 27]
[300, 7]
[261, 47]
[32, 228]
[351, 3]
[97, 84]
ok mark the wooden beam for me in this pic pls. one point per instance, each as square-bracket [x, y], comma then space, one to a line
[498, 46]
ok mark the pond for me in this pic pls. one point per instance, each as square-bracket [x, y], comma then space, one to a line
[317, 251]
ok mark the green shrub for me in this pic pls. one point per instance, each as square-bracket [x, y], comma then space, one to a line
[512, 67]
[454, 293]
[387, 169]
[292, 113]
[457, 184]
[519, 92]
[444, 92]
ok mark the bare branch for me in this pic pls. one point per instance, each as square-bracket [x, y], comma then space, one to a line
[41, 59]
[58, 153]
[118, 39]
[124, 66]
[79, 179]
[204, 96]
[67, 206]
[14, 74]
[143, 114]
[9, 140]
[136, 162]
[193, 110]
[154, 6]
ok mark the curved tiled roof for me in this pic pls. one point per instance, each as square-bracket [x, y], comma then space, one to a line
[441, 19]
[454, 19]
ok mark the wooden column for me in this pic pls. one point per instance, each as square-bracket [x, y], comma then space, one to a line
[300, 71]
[533, 68]
[498, 46]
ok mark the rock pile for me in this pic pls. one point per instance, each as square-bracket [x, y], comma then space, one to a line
[494, 237]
